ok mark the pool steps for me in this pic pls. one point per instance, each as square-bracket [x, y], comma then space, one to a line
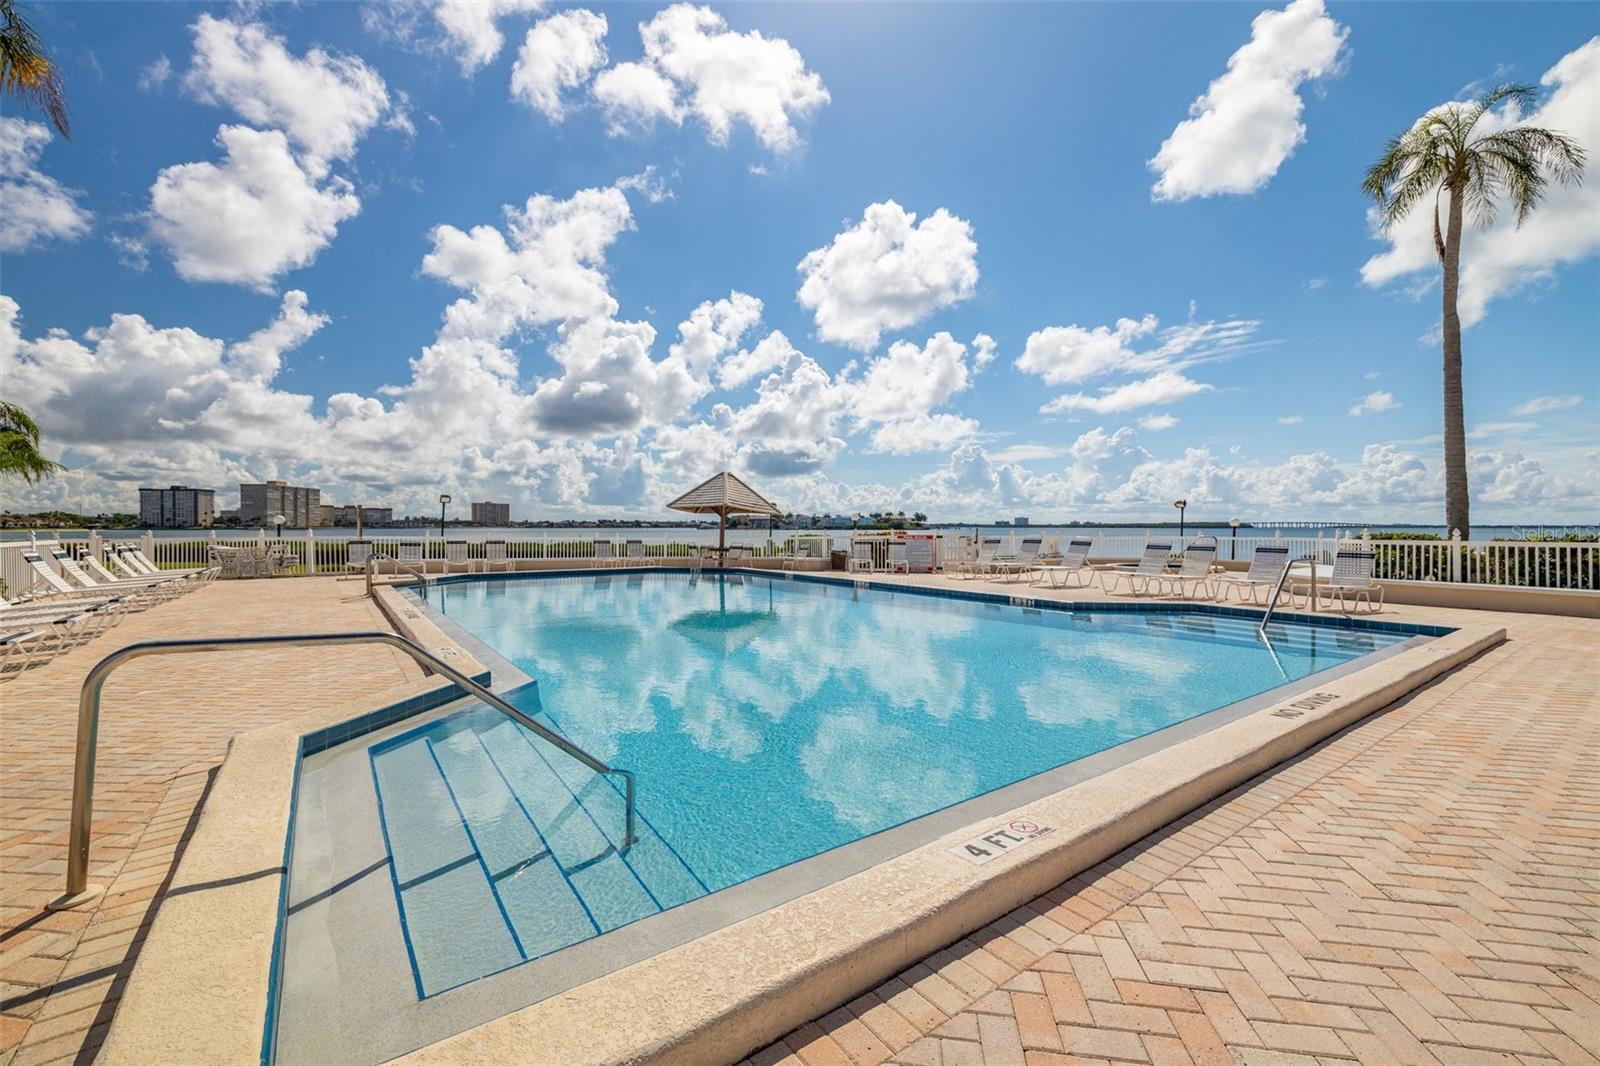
[500, 853]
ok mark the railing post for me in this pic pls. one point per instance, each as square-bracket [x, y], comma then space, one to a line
[1455, 555]
[94, 544]
[311, 553]
[147, 544]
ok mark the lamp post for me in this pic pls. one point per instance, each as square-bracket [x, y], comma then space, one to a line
[278, 520]
[444, 501]
[1233, 540]
[1180, 505]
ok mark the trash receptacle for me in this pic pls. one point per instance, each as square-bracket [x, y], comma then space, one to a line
[839, 558]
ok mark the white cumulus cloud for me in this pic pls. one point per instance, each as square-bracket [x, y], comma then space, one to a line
[472, 28]
[1501, 259]
[1247, 123]
[249, 217]
[1374, 403]
[559, 53]
[325, 103]
[694, 65]
[37, 208]
[888, 272]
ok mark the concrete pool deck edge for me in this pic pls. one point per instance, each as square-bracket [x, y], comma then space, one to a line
[720, 996]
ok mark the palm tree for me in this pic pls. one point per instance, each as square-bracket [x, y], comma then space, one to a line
[19, 446]
[1442, 155]
[26, 71]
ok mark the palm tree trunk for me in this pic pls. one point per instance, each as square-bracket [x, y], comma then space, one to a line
[1455, 433]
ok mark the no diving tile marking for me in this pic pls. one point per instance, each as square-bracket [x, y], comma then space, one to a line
[999, 840]
[1304, 704]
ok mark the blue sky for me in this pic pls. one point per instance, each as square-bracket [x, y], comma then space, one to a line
[874, 256]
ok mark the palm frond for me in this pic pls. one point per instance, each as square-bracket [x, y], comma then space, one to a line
[1524, 159]
[19, 446]
[26, 70]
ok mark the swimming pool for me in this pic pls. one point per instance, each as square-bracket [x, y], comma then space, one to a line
[772, 723]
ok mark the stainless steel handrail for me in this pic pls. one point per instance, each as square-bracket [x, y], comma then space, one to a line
[89, 729]
[420, 575]
[1272, 603]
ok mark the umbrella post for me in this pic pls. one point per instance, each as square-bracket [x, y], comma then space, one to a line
[722, 539]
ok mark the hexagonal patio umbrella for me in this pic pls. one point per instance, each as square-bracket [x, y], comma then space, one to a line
[723, 495]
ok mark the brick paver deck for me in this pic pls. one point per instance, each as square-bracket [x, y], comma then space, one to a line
[165, 725]
[1422, 888]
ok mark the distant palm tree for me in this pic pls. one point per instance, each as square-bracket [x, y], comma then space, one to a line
[26, 71]
[19, 446]
[1441, 154]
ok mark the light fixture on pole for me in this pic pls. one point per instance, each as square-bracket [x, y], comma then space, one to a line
[1233, 543]
[444, 501]
[1180, 505]
[278, 520]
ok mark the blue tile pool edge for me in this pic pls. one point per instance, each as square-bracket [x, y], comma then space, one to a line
[311, 743]
[1343, 621]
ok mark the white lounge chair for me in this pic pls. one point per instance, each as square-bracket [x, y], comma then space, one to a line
[1144, 577]
[57, 590]
[738, 553]
[1267, 565]
[494, 555]
[988, 551]
[603, 555]
[1015, 564]
[455, 554]
[636, 553]
[158, 587]
[357, 552]
[899, 560]
[1073, 571]
[411, 553]
[861, 556]
[73, 619]
[801, 554]
[1193, 578]
[1349, 585]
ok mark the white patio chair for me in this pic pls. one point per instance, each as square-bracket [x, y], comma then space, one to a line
[494, 555]
[801, 554]
[1267, 564]
[636, 553]
[899, 562]
[603, 555]
[1349, 585]
[455, 554]
[1193, 578]
[1015, 564]
[1144, 577]
[1073, 571]
[411, 553]
[983, 562]
[861, 556]
[357, 552]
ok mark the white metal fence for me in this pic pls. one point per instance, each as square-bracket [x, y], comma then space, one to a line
[1529, 564]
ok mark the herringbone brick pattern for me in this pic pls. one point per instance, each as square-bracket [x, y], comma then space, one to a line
[1424, 888]
[165, 727]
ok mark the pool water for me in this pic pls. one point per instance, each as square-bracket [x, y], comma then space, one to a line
[767, 721]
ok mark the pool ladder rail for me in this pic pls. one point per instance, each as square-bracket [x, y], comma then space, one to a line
[78, 889]
[1277, 590]
[420, 575]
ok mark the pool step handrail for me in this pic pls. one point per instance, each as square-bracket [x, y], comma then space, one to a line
[1277, 590]
[78, 890]
[420, 575]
